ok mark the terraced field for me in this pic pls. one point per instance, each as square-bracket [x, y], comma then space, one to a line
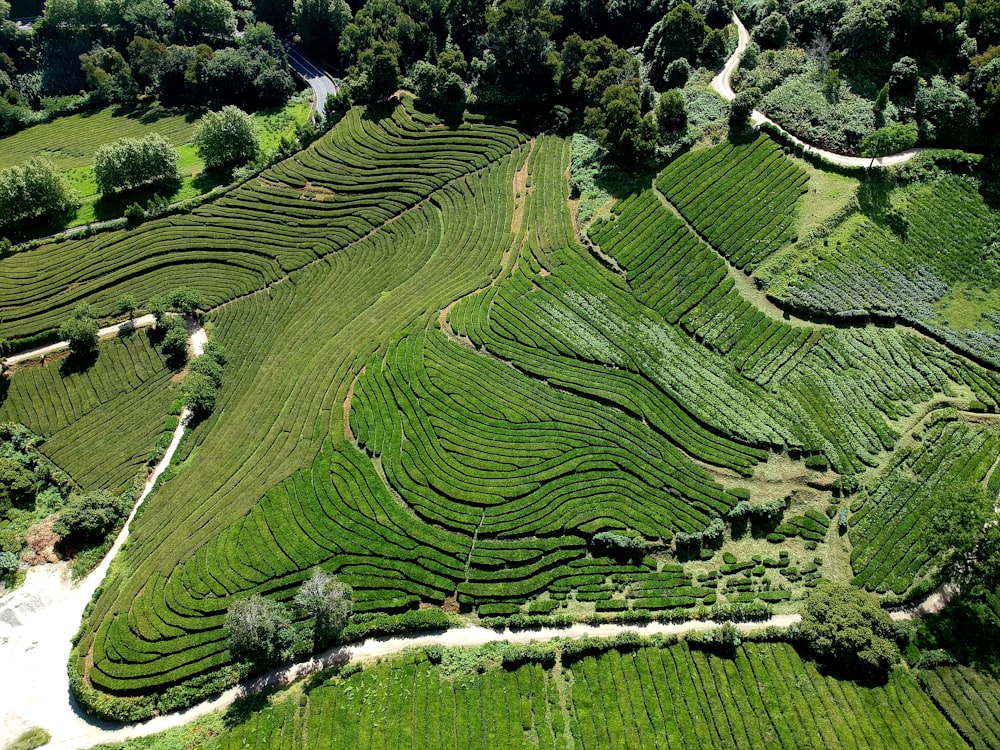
[439, 391]
[764, 697]
[99, 425]
[970, 700]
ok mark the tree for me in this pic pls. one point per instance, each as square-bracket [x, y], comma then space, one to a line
[629, 137]
[90, 517]
[328, 602]
[904, 78]
[680, 33]
[772, 31]
[108, 75]
[129, 163]
[847, 629]
[195, 19]
[889, 140]
[226, 138]
[200, 394]
[742, 107]
[968, 537]
[319, 23]
[80, 331]
[127, 303]
[259, 629]
[518, 46]
[17, 485]
[185, 300]
[671, 113]
[33, 190]
[375, 75]
[175, 342]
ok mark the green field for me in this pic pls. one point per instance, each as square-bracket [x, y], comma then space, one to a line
[70, 143]
[437, 391]
[672, 697]
[99, 425]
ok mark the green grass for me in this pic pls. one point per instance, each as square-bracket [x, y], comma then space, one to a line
[70, 143]
[29, 740]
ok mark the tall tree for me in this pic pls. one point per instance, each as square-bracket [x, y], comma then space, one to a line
[226, 138]
[327, 602]
[319, 24]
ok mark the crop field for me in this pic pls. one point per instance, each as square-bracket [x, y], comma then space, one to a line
[99, 425]
[892, 530]
[970, 700]
[438, 390]
[673, 697]
[924, 258]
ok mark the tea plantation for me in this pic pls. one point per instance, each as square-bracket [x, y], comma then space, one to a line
[442, 390]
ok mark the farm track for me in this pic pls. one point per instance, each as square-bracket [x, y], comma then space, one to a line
[722, 85]
[39, 619]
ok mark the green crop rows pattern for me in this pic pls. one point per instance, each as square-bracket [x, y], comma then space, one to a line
[99, 425]
[674, 697]
[740, 198]
[970, 700]
[892, 529]
[438, 393]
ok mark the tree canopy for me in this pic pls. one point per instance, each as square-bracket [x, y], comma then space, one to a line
[226, 138]
[845, 628]
[259, 629]
[129, 163]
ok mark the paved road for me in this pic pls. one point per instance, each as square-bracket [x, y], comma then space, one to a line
[318, 79]
[722, 85]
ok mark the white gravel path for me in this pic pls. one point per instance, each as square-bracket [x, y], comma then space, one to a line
[39, 619]
[722, 85]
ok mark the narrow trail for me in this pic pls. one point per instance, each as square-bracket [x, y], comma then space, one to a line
[39, 619]
[722, 85]
[144, 321]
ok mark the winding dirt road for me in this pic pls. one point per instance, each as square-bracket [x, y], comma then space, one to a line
[39, 619]
[722, 85]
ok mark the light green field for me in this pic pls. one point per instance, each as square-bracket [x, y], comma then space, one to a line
[70, 143]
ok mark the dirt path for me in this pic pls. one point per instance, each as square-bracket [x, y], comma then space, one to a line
[117, 329]
[722, 85]
[39, 619]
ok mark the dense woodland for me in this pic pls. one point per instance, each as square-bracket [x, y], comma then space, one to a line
[831, 71]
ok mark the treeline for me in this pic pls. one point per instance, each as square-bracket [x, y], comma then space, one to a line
[571, 65]
[932, 65]
[86, 52]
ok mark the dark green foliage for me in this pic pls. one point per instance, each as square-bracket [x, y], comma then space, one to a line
[35, 190]
[91, 517]
[17, 485]
[671, 113]
[772, 31]
[742, 107]
[319, 23]
[80, 331]
[175, 342]
[847, 630]
[681, 33]
[259, 629]
[226, 138]
[185, 300]
[200, 394]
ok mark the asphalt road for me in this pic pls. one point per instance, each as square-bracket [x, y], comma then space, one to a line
[318, 79]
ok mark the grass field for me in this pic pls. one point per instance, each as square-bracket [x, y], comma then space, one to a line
[70, 143]
[673, 697]
[101, 424]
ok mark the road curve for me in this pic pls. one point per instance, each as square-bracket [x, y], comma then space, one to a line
[319, 80]
[722, 85]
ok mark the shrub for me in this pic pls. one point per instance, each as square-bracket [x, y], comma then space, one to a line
[200, 394]
[8, 563]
